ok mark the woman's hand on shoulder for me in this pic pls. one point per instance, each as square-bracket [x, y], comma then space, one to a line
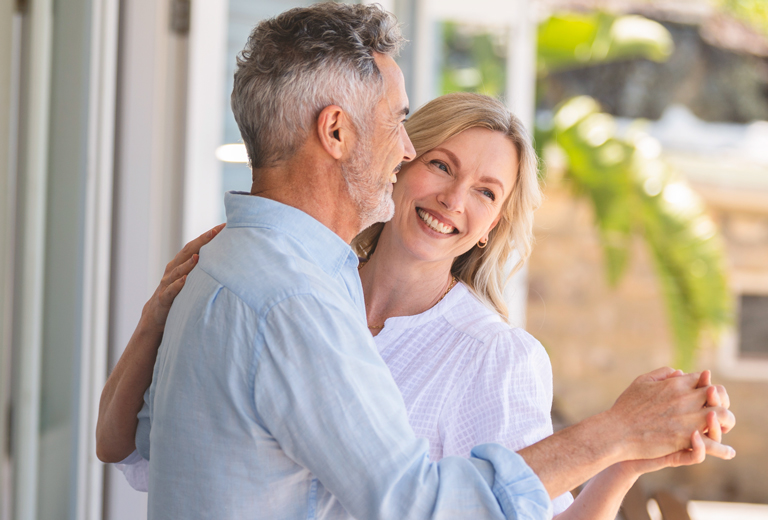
[155, 312]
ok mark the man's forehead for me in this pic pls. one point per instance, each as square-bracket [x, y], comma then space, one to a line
[394, 84]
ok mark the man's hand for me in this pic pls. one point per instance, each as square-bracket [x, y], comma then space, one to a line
[660, 410]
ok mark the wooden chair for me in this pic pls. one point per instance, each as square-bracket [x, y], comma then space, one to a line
[635, 504]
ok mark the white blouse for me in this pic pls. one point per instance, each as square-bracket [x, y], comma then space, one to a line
[467, 378]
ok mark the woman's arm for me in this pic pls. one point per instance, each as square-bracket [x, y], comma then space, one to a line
[603, 495]
[123, 394]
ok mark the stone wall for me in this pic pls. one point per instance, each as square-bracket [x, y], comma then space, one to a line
[600, 338]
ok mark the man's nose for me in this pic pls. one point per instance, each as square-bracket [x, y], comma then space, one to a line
[409, 152]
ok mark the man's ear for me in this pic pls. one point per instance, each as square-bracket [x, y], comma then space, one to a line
[333, 131]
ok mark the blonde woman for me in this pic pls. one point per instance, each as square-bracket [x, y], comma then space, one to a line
[433, 279]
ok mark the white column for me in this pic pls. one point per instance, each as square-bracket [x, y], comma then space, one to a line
[148, 185]
[97, 252]
[29, 318]
[521, 99]
[9, 32]
[203, 197]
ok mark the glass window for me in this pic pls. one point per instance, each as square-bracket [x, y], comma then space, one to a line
[753, 326]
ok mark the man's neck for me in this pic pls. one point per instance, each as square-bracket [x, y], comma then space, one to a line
[315, 188]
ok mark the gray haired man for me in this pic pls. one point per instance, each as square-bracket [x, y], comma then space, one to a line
[269, 398]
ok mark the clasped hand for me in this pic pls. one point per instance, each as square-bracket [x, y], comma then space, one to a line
[673, 419]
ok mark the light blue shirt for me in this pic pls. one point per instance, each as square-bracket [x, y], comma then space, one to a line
[269, 398]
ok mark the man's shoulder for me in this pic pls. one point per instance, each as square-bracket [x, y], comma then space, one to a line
[262, 267]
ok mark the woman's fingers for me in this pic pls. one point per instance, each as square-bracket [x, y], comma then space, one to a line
[713, 397]
[192, 248]
[169, 294]
[171, 287]
[721, 451]
[725, 417]
[698, 450]
[714, 431]
[725, 401]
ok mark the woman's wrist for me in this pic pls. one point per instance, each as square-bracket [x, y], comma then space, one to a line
[626, 471]
[149, 324]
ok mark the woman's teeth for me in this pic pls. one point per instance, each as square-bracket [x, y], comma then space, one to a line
[434, 223]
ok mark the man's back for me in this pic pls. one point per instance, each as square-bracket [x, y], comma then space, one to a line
[210, 447]
[269, 399]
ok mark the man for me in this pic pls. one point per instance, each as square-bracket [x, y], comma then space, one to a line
[269, 398]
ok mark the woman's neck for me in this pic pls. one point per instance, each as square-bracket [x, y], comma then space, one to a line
[396, 284]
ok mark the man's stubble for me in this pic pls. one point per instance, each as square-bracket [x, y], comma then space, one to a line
[369, 189]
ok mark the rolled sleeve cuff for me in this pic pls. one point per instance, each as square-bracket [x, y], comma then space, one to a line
[519, 491]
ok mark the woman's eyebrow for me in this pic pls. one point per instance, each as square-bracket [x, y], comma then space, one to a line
[452, 156]
[493, 180]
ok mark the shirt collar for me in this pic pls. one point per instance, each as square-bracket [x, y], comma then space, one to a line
[324, 247]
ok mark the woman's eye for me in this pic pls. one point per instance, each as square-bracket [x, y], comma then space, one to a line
[440, 165]
[489, 194]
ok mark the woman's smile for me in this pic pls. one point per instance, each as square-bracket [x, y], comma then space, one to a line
[436, 223]
[451, 197]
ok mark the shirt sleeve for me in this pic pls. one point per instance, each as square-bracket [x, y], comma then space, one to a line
[135, 468]
[506, 397]
[333, 407]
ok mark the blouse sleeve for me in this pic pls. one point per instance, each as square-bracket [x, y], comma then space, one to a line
[136, 471]
[505, 397]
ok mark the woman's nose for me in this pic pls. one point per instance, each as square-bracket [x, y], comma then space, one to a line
[452, 199]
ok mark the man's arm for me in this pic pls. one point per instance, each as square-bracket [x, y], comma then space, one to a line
[654, 417]
[123, 393]
[324, 394]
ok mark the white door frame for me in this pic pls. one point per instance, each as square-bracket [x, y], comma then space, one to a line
[28, 320]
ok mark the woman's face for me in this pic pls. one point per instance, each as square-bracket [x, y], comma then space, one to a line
[451, 197]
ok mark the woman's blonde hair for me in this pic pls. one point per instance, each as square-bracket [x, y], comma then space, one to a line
[482, 270]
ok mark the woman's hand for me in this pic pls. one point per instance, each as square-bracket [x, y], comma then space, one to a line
[123, 394]
[156, 310]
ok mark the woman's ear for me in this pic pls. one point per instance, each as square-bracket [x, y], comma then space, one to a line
[495, 221]
[333, 131]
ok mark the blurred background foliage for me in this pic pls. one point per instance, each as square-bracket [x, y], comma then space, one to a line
[475, 59]
[633, 192]
[751, 12]
[576, 40]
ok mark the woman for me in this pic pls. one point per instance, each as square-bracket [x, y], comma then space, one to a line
[433, 279]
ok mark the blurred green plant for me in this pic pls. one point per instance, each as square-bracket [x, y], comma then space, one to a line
[752, 12]
[634, 193]
[576, 40]
[474, 59]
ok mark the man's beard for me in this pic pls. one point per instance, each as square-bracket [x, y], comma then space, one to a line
[368, 189]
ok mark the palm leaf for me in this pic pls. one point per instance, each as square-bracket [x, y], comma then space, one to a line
[636, 196]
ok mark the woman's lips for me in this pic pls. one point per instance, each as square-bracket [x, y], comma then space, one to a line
[434, 224]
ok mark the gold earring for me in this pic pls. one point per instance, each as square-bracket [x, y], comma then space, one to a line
[482, 243]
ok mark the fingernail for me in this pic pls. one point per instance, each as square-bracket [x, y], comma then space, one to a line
[195, 258]
[733, 453]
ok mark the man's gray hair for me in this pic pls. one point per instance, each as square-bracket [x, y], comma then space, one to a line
[303, 60]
